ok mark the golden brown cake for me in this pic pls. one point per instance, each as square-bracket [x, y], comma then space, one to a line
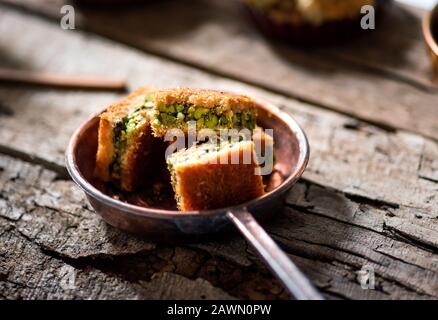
[211, 176]
[175, 108]
[205, 176]
[127, 151]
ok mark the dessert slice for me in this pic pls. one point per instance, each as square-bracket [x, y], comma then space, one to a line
[126, 147]
[215, 175]
[175, 108]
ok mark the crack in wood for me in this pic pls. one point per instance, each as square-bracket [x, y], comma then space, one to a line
[376, 203]
[308, 210]
[428, 179]
[61, 171]
[402, 236]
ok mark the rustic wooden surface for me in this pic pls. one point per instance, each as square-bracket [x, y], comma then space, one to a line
[212, 35]
[369, 196]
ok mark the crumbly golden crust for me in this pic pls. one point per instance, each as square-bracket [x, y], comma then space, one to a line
[210, 184]
[121, 108]
[175, 108]
[105, 150]
[201, 185]
[203, 98]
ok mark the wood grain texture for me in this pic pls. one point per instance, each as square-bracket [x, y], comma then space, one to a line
[48, 243]
[46, 226]
[356, 78]
[369, 196]
[34, 127]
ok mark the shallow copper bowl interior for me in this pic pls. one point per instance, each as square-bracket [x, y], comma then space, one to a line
[291, 155]
[430, 32]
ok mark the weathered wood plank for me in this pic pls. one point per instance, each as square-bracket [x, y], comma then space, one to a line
[374, 216]
[46, 226]
[50, 217]
[347, 155]
[390, 231]
[27, 272]
[397, 48]
[383, 78]
[331, 234]
[429, 162]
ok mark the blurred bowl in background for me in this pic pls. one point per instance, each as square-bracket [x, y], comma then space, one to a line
[291, 26]
[102, 4]
[430, 32]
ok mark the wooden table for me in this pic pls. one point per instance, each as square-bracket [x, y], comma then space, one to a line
[369, 198]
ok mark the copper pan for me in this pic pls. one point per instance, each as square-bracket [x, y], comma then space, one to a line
[430, 32]
[291, 154]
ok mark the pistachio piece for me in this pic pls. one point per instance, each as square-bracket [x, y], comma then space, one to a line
[167, 118]
[179, 107]
[200, 122]
[180, 116]
[243, 120]
[211, 121]
[171, 109]
[236, 119]
[162, 108]
[252, 121]
[199, 112]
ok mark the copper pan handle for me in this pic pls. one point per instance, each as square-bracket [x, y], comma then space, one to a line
[283, 268]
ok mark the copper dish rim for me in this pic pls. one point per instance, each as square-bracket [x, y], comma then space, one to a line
[89, 189]
[427, 30]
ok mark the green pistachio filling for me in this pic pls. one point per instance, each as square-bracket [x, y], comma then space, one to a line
[118, 143]
[212, 118]
[123, 130]
[173, 181]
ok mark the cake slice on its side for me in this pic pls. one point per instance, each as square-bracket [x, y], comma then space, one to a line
[126, 147]
[174, 108]
[211, 176]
